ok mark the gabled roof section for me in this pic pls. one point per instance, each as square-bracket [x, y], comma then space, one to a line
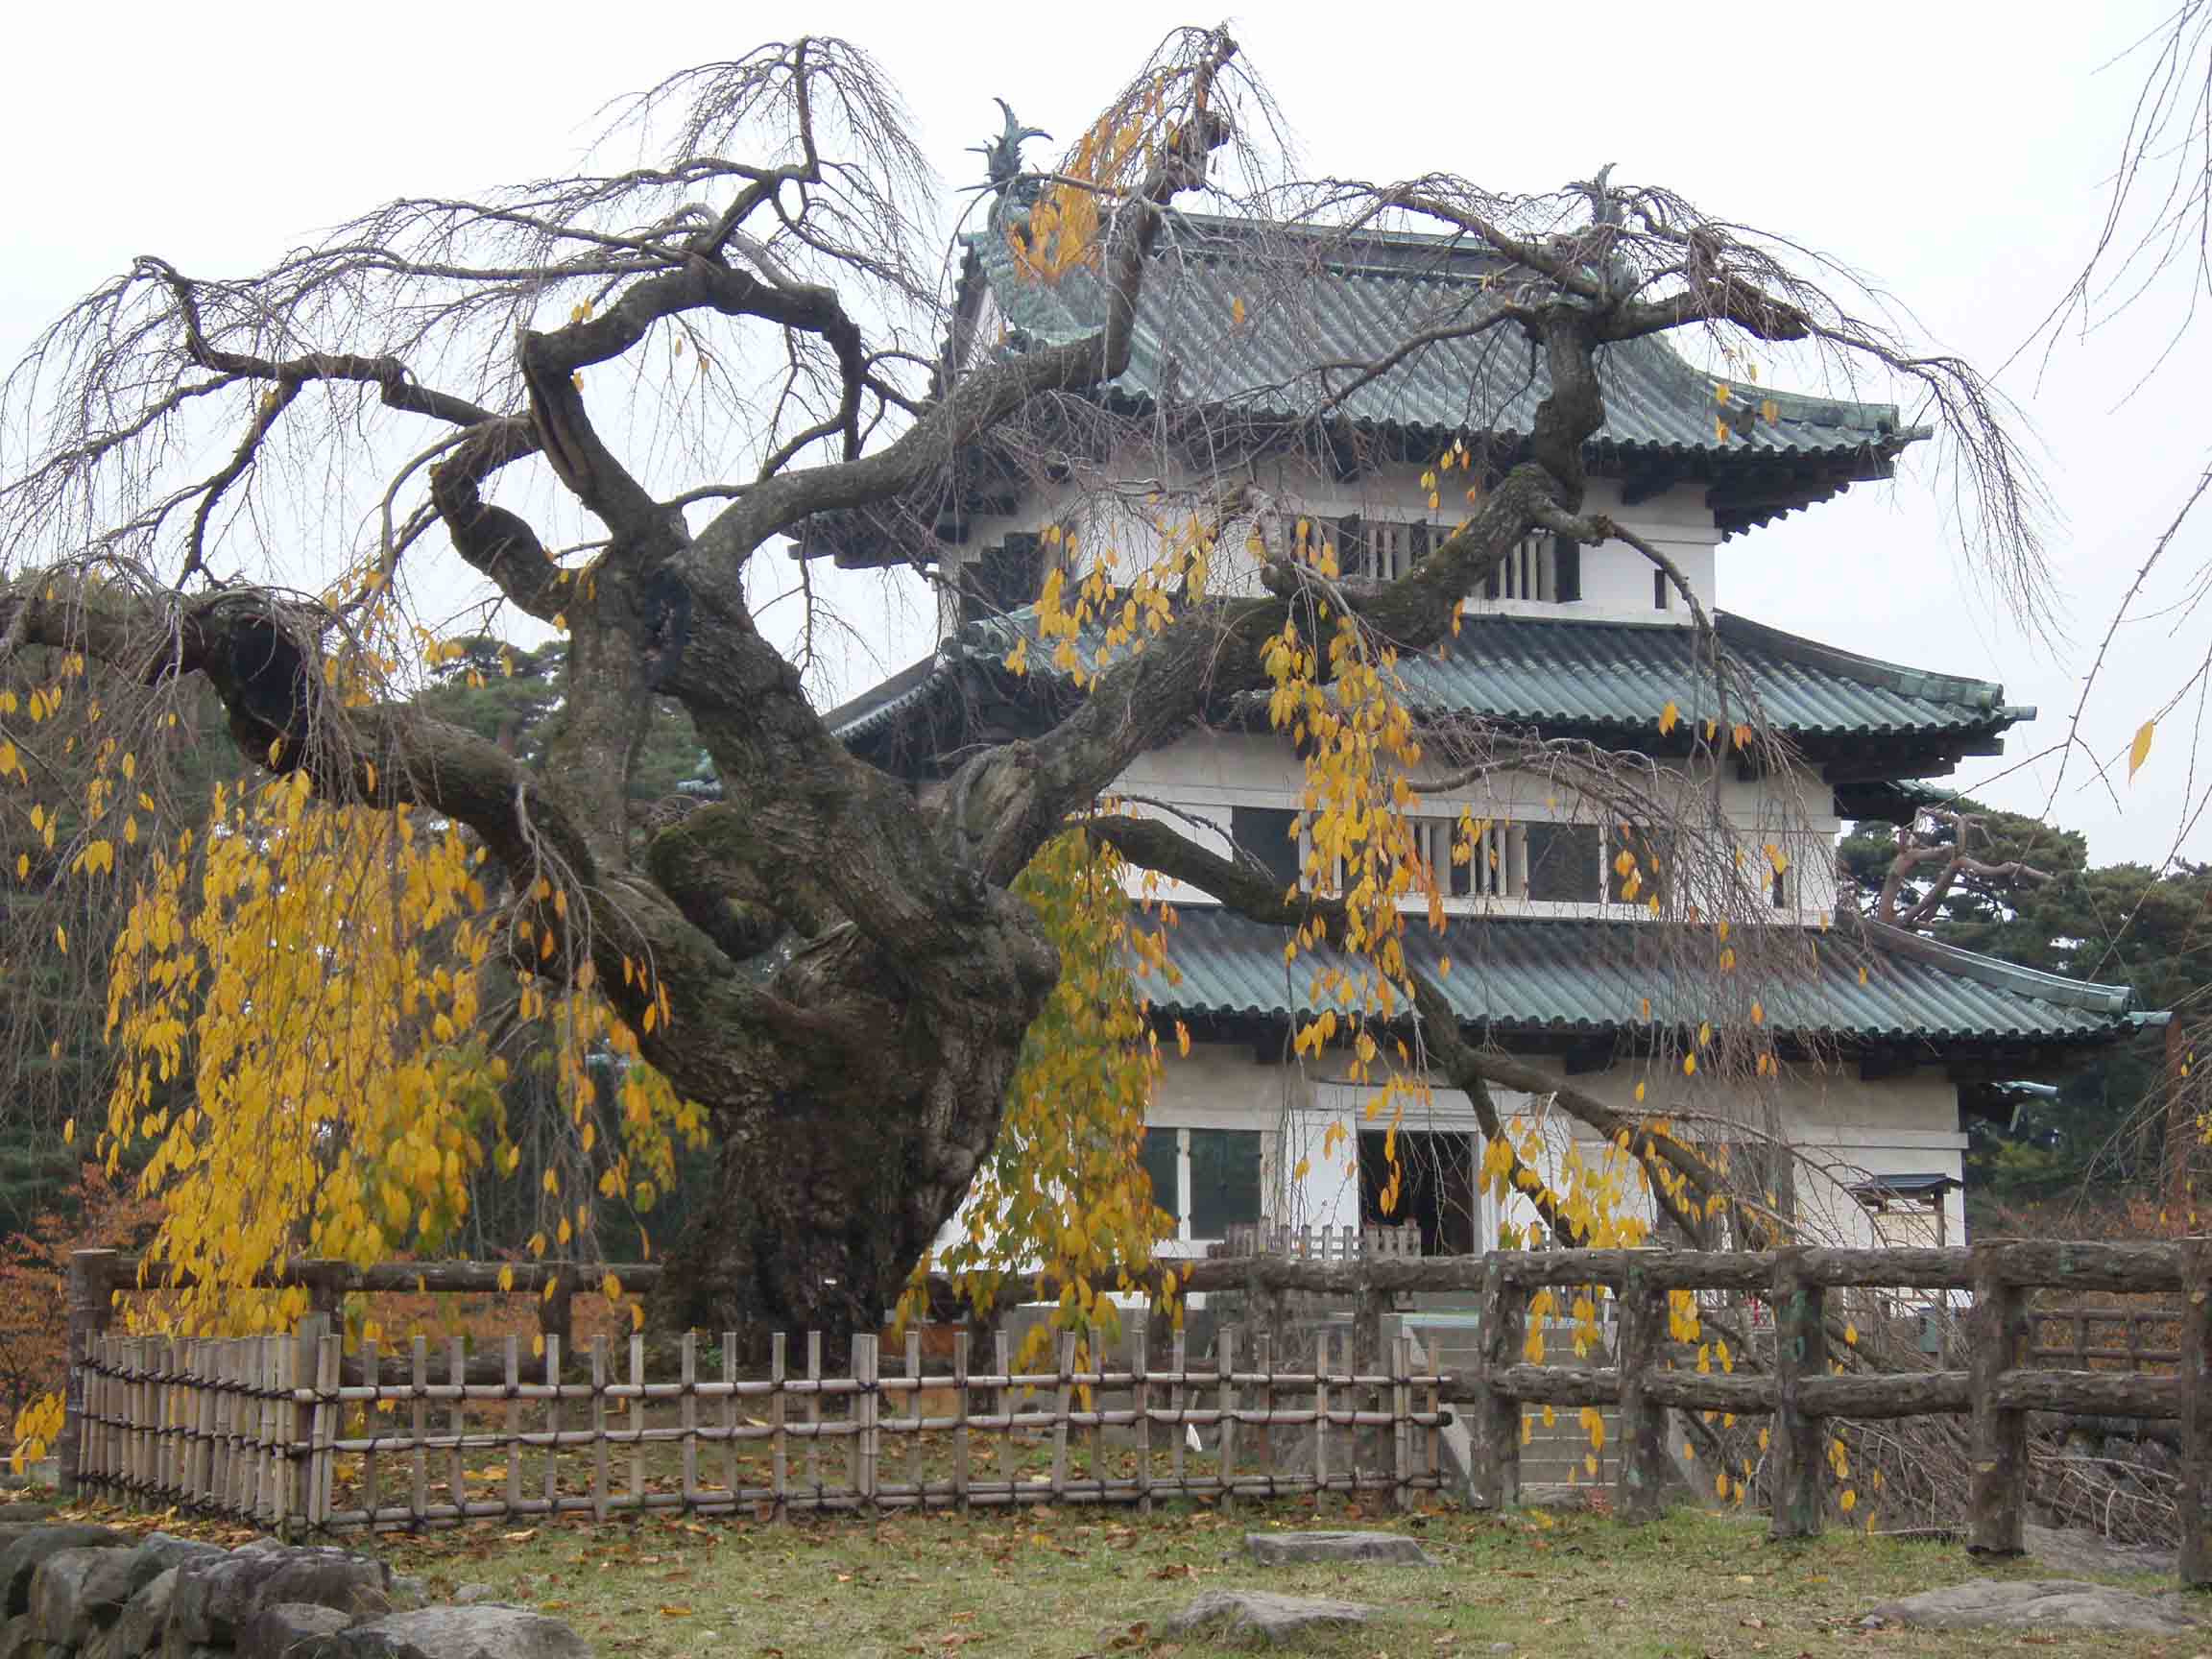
[1312, 293]
[1598, 677]
[1519, 977]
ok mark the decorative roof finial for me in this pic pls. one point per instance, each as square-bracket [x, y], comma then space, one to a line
[1003, 156]
[1604, 205]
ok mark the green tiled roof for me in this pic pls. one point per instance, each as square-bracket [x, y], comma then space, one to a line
[1590, 979]
[1311, 295]
[1590, 675]
[1540, 671]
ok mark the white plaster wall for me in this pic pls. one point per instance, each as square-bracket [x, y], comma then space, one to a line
[1121, 507]
[1845, 1129]
[1209, 773]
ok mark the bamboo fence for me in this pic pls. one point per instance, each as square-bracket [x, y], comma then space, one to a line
[264, 1429]
[258, 1427]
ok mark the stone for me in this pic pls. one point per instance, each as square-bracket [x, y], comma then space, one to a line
[292, 1630]
[482, 1632]
[121, 1574]
[1264, 1615]
[216, 1598]
[409, 1592]
[2035, 1603]
[471, 1595]
[1457, 1445]
[20, 1558]
[59, 1610]
[25, 1513]
[138, 1628]
[1288, 1549]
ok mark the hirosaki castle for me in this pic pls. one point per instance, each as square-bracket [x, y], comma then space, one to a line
[1887, 1047]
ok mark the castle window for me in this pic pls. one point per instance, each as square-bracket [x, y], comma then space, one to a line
[1265, 833]
[1530, 570]
[1375, 550]
[1556, 864]
[1636, 860]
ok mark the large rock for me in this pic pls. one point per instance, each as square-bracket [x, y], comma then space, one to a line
[2035, 1603]
[20, 1558]
[1264, 1615]
[61, 1611]
[293, 1630]
[1288, 1549]
[214, 1600]
[119, 1574]
[482, 1632]
[137, 1629]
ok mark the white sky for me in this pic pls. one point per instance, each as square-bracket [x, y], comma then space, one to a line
[1956, 153]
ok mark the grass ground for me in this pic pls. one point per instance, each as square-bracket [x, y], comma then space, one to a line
[1084, 1583]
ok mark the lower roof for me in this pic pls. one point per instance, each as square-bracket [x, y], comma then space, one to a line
[1527, 975]
[1604, 678]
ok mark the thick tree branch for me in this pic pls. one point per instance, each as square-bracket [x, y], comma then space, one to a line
[499, 543]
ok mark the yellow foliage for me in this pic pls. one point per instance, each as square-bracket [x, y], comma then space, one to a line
[318, 971]
[1077, 1109]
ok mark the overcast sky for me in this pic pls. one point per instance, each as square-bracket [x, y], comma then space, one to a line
[1955, 153]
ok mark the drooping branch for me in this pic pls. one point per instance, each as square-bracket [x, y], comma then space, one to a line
[394, 384]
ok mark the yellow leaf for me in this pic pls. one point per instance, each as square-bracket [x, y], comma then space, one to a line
[2139, 751]
[1237, 312]
[1669, 717]
[1688, 1064]
[1182, 1039]
[506, 1279]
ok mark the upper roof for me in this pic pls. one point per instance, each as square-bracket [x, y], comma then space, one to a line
[1596, 676]
[1519, 975]
[1236, 314]
[1313, 294]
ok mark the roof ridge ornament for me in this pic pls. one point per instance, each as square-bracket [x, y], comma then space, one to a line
[1002, 160]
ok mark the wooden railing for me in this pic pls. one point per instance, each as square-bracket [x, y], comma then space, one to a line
[1997, 1389]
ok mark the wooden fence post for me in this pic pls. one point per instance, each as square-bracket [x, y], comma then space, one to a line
[2196, 1412]
[303, 1418]
[1999, 1446]
[1641, 1486]
[1368, 1306]
[91, 1303]
[1800, 1352]
[1495, 1422]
